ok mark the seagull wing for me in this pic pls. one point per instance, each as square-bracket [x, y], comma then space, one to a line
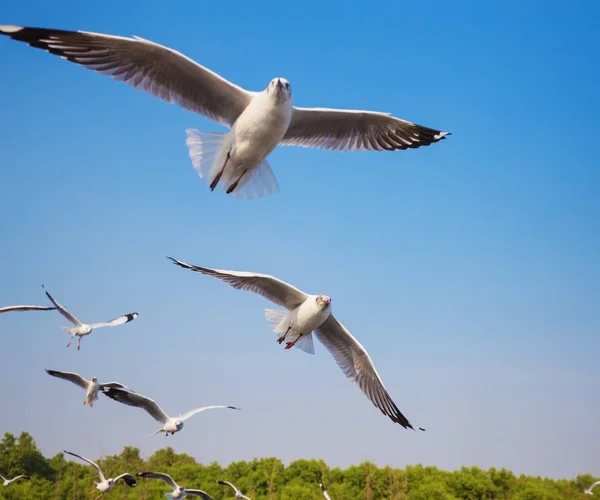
[121, 320]
[185, 416]
[25, 308]
[351, 130]
[139, 401]
[356, 364]
[592, 486]
[62, 310]
[273, 289]
[93, 464]
[128, 478]
[22, 476]
[159, 475]
[145, 65]
[113, 385]
[198, 493]
[325, 494]
[227, 483]
[71, 377]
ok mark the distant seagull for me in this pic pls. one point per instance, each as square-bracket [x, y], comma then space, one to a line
[238, 493]
[178, 491]
[258, 121]
[171, 425]
[8, 309]
[589, 490]
[308, 313]
[92, 387]
[8, 482]
[82, 329]
[105, 485]
[325, 494]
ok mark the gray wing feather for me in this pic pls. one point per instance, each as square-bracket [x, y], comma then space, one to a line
[273, 289]
[25, 308]
[356, 364]
[121, 320]
[139, 401]
[349, 130]
[75, 378]
[93, 464]
[198, 493]
[159, 475]
[61, 309]
[145, 65]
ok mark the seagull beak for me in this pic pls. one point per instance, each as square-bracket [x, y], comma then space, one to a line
[279, 84]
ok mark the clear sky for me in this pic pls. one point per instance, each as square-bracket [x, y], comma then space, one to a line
[469, 269]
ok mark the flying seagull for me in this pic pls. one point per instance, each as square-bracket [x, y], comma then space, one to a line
[8, 482]
[81, 329]
[325, 494]
[105, 485]
[170, 425]
[92, 387]
[238, 493]
[592, 486]
[178, 491]
[258, 121]
[7, 309]
[305, 314]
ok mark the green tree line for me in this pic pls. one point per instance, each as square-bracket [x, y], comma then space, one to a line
[266, 478]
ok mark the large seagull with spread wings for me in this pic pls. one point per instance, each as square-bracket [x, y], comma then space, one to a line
[258, 121]
[303, 315]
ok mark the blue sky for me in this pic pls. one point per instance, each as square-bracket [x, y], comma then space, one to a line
[469, 269]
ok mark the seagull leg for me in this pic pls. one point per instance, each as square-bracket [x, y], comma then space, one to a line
[282, 338]
[289, 345]
[70, 340]
[216, 180]
[79, 344]
[235, 184]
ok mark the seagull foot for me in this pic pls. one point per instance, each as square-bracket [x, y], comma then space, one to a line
[216, 180]
[282, 338]
[231, 188]
[289, 345]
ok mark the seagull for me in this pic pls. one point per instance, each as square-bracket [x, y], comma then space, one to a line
[178, 491]
[589, 490]
[8, 309]
[312, 313]
[325, 494]
[238, 493]
[170, 425]
[92, 387]
[81, 329]
[8, 482]
[105, 485]
[258, 121]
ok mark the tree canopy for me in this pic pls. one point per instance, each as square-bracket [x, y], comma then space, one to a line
[267, 478]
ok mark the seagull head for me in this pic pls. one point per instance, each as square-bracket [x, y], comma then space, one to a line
[179, 424]
[94, 379]
[279, 89]
[323, 301]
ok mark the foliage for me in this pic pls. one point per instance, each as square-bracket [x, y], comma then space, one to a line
[267, 478]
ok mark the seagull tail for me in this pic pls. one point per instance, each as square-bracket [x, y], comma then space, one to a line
[157, 432]
[204, 149]
[66, 329]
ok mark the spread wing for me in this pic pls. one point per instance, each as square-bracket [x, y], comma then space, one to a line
[113, 385]
[62, 310]
[25, 308]
[356, 364]
[139, 401]
[350, 130]
[227, 483]
[271, 288]
[159, 475]
[93, 464]
[128, 478]
[190, 413]
[121, 320]
[75, 378]
[145, 65]
[325, 494]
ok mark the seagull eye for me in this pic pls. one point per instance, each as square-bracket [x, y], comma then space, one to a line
[287, 85]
